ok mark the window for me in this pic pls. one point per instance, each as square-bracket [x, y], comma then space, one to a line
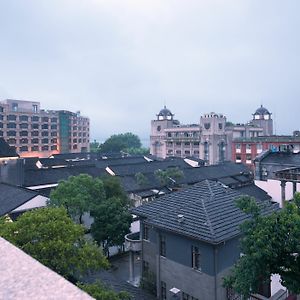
[187, 152]
[220, 125]
[24, 133]
[1, 109]
[1, 117]
[74, 127]
[169, 134]
[178, 152]
[74, 140]
[158, 128]
[53, 126]
[11, 125]
[45, 126]
[196, 152]
[206, 151]
[74, 146]
[45, 133]
[178, 144]
[45, 148]
[35, 118]
[11, 118]
[1, 133]
[12, 133]
[54, 120]
[79, 140]
[186, 144]
[196, 144]
[74, 133]
[35, 148]
[45, 119]
[34, 108]
[162, 244]
[206, 126]
[24, 125]
[145, 232]
[12, 141]
[24, 141]
[54, 133]
[54, 147]
[163, 290]
[54, 141]
[23, 118]
[45, 141]
[35, 126]
[34, 133]
[34, 141]
[15, 107]
[23, 148]
[195, 258]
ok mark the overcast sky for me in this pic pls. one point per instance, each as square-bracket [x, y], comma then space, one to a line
[118, 62]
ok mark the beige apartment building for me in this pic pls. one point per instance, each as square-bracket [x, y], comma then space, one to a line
[37, 132]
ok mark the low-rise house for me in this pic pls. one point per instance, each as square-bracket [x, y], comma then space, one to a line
[190, 239]
[15, 200]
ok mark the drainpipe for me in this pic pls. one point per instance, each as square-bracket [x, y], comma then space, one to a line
[216, 270]
[157, 267]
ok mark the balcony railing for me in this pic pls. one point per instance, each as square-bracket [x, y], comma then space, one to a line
[133, 242]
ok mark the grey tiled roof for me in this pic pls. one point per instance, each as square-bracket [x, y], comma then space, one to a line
[51, 176]
[12, 197]
[22, 277]
[147, 167]
[209, 211]
[281, 158]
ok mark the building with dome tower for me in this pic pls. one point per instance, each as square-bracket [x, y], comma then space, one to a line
[215, 140]
[263, 118]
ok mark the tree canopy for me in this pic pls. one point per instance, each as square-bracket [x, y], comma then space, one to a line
[169, 176]
[50, 236]
[127, 142]
[111, 223]
[79, 194]
[100, 292]
[270, 245]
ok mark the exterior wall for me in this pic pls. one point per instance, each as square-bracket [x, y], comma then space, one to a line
[175, 268]
[11, 171]
[35, 132]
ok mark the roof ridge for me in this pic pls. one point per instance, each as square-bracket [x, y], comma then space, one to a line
[208, 222]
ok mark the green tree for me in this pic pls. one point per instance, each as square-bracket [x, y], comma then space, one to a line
[270, 245]
[121, 142]
[100, 292]
[94, 146]
[111, 223]
[50, 236]
[169, 176]
[141, 179]
[78, 194]
[112, 187]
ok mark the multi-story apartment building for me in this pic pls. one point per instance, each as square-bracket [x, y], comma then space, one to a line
[37, 132]
[210, 140]
[245, 150]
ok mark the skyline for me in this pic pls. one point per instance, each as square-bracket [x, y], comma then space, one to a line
[119, 62]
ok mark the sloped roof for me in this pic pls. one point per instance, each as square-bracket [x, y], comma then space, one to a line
[191, 175]
[12, 197]
[23, 277]
[281, 158]
[209, 210]
[6, 150]
[52, 176]
[148, 167]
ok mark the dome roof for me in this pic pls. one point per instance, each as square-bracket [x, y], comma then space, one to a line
[165, 112]
[262, 111]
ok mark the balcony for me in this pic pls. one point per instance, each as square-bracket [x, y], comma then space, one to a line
[133, 242]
